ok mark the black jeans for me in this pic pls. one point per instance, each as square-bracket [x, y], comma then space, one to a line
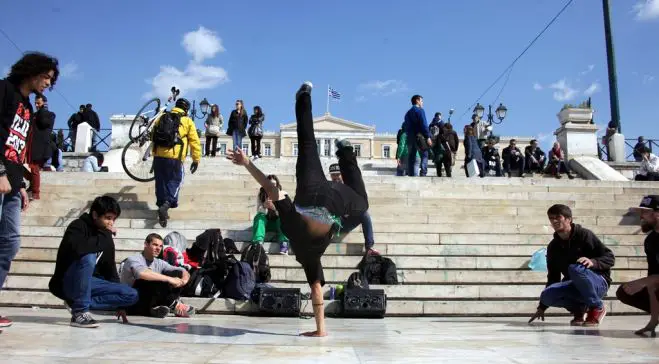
[348, 199]
[256, 145]
[211, 150]
[513, 162]
[533, 167]
[651, 176]
[154, 293]
[446, 162]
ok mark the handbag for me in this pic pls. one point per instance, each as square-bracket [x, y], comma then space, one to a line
[213, 130]
[472, 168]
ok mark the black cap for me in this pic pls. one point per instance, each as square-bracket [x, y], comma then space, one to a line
[334, 168]
[648, 203]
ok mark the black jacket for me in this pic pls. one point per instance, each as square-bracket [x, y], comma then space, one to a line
[237, 122]
[582, 243]
[42, 128]
[508, 153]
[81, 238]
[15, 122]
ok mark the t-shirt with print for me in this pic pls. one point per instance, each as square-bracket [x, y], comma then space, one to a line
[137, 264]
[15, 116]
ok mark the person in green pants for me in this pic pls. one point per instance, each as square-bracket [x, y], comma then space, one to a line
[267, 219]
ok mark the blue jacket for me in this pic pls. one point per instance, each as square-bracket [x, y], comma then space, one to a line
[472, 150]
[415, 123]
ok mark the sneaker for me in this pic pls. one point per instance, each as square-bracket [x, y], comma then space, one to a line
[163, 215]
[595, 316]
[183, 310]
[84, 320]
[305, 88]
[5, 322]
[159, 311]
[578, 319]
[570, 176]
[283, 248]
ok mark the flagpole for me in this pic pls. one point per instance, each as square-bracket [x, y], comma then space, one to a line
[328, 92]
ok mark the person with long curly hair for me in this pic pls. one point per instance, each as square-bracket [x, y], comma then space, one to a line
[32, 74]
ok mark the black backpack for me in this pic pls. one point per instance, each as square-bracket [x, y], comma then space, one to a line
[201, 284]
[256, 257]
[377, 269]
[240, 281]
[357, 280]
[165, 133]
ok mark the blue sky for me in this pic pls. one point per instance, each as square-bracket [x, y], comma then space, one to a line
[377, 54]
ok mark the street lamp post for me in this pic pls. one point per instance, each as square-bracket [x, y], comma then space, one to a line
[500, 114]
[611, 63]
[203, 105]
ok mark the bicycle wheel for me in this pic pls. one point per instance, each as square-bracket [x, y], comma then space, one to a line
[143, 118]
[137, 160]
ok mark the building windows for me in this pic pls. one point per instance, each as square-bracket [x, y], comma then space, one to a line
[246, 148]
[294, 149]
[386, 151]
[223, 148]
[358, 149]
[318, 145]
[267, 148]
[328, 148]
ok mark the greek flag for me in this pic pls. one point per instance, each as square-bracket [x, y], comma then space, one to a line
[333, 93]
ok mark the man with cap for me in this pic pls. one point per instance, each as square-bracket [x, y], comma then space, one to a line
[365, 221]
[644, 293]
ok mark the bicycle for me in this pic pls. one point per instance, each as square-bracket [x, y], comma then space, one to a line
[136, 157]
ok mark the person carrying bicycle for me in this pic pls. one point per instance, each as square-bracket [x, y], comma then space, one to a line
[173, 132]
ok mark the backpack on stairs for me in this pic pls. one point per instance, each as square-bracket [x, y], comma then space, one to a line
[240, 282]
[257, 258]
[377, 269]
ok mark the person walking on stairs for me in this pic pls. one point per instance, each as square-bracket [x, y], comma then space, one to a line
[313, 219]
[173, 133]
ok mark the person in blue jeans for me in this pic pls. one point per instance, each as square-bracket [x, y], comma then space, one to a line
[585, 264]
[86, 276]
[237, 125]
[32, 74]
[351, 224]
[416, 123]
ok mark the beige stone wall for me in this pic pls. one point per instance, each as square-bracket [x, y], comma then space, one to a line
[378, 145]
[365, 146]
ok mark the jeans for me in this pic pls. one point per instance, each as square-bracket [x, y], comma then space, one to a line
[404, 161]
[84, 292]
[583, 291]
[424, 164]
[446, 162]
[154, 293]
[513, 162]
[10, 229]
[237, 137]
[412, 164]
[367, 228]
[169, 177]
[262, 225]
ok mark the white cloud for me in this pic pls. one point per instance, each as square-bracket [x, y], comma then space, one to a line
[361, 98]
[69, 70]
[202, 44]
[383, 88]
[563, 91]
[594, 87]
[537, 86]
[194, 77]
[590, 69]
[647, 79]
[646, 9]
[5, 71]
[542, 137]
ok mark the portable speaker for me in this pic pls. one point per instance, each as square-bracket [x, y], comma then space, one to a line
[364, 303]
[280, 301]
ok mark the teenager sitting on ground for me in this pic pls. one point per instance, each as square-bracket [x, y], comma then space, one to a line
[365, 221]
[314, 218]
[557, 164]
[93, 163]
[535, 158]
[649, 170]
[86, 275]
[644, 293]
[267, 218]
[158, 283]
[585, 264]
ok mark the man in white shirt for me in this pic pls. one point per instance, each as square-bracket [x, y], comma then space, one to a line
[649, 167]
[158, 283]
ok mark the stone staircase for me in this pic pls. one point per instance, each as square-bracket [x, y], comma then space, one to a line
[461, 245]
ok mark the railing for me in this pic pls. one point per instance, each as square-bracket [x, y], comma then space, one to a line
[653, 144]
[100, 140]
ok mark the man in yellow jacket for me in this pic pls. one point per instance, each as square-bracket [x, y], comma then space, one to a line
[170, 147]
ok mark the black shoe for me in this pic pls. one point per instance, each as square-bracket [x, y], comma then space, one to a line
[304, 89]
[84, 320]
[163, 215]
[159, 311]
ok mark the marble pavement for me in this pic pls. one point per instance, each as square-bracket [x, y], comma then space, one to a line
[44, 336]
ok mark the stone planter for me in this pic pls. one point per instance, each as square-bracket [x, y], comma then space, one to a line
[574, 115]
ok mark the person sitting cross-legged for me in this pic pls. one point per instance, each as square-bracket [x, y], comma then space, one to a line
[267, 218]
[158, 283]
[644, 293]
[585, 264]
[86, 276]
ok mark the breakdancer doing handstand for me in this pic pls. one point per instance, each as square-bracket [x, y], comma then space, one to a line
[314, 218]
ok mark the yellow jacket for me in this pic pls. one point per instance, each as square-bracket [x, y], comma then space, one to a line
[188, 133]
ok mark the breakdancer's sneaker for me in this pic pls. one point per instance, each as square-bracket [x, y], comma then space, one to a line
[304, 89]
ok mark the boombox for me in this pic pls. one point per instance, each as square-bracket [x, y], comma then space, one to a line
[364, 303]
[279, 302]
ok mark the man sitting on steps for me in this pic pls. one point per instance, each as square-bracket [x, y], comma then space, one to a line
[86, 275]
[158, 283]
[585, 263]
[365, 221]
